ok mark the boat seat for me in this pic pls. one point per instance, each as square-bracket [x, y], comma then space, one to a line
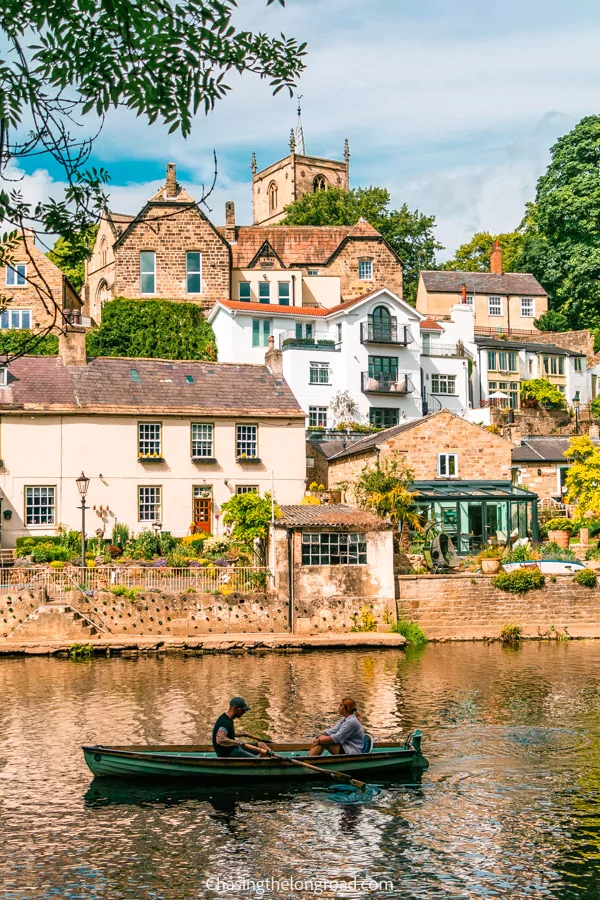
[367, 746]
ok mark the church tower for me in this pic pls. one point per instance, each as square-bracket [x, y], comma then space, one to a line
[294, 176]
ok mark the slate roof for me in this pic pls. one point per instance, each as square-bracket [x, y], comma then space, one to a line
[542, 449]
[296, 245]
[336, 515]
[146, 386]
[533, 346]
[369, 442]
[483, 283]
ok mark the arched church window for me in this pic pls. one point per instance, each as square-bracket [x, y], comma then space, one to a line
[272, 196]
[319, 183]
[103, 252]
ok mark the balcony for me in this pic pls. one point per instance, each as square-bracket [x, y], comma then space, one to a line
[321, 340]
[384, 385]
[435, 349]
[371, 333]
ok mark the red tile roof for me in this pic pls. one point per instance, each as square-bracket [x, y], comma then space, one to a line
[430, 325]
[295, 245]
[275, 309]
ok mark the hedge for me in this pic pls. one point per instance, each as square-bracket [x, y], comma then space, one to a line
[519, 581]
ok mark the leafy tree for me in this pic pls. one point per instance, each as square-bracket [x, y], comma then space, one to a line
[561, 230]
[408, 232]
[553, 320]
[539, 392]
[17, 342]
[70, 254]
[474, 256]
[249, 516]
[385, 490]
[65, 60]
[583, 476]
[158, 329]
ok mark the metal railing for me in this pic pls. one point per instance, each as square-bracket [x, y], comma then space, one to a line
[205, 579]
[320, 340]
[371, 333]
[385, 385]
[487, 331]
[435, 349]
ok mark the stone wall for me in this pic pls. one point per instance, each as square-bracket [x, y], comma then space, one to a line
[387, 271]
[467, 606]
[546, 484]
[177, 231]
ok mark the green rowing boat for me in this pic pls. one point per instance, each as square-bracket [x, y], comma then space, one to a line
[200, 763]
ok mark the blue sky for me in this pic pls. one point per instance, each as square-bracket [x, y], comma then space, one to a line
[451, 106]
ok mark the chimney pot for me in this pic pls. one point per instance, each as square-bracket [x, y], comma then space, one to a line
[496, 259]
[463, 293]
[171, 186]
[274, 358]
[71, 346]
[229, 231]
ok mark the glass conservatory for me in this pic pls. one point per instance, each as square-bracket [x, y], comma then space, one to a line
[475, 513]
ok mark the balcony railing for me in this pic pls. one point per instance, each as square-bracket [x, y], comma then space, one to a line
[371, 333]
[320, 340]
[385, 385]
[435, 349]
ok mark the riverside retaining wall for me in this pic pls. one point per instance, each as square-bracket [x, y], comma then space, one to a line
[468, 607]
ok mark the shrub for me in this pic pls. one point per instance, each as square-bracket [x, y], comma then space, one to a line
[215, 547]
[491, 553]
[511, 634]
[194, 543]
[414, 634]
[120, 590]
[114, 551]
[145, 546]
[56, 564]
[559, 524]
[49, 552]
[308, 500]
[25, 545]
[551, 550]
[166, 542]
[586, 577]
[20, 342]
[519, 554]
[120, 535]
[178, 560]
[539, 392]
[493, 429]
[364, 620]
[519, 581]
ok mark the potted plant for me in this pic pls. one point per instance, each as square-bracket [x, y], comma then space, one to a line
[490, 560]
[559, 531]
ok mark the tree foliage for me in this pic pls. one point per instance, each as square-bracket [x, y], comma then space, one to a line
[539, 392]
[553, 320]
[70, 254]
[561, 230]
[385, 490]
[17, 342]
[249, 517]
[474, 256]
[583, 476]
[409, 233]
[156, 329]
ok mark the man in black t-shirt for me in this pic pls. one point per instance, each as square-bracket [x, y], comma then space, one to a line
[223, 736]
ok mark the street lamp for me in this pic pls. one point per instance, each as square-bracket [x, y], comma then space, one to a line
[83, 484]
[576, 402]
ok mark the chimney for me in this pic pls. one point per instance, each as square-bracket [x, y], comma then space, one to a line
[274, 358]
[463, 293]
[230, 222]
[171, 186]
[71, 346]
[496, 259]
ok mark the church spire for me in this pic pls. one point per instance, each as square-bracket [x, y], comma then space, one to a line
[300, 147]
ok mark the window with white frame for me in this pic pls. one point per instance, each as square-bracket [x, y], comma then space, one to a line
[527, 308]
[244, 294]
[319, 373]
[317, 416]
[283, 293]
[246, 441]
[246, 489]
[16, 275]
[3, 376]
[193, 271]
[330, 548]
[554, 365]
[495, 306]
[448, 465]
[16, 318]
[312, 271]
[443, 384]
[264, 292]
[338, 333]
[149, 440]
[147, 272]
[202, 441]
[365, 269]
[470, 300]
[149, 503]
[578, 364]
[40, 505]
[261, 332]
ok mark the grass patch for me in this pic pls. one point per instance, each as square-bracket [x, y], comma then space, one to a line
[510, 634]
[81, 651]
[414, 634]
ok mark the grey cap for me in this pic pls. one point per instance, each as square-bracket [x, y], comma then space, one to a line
[239, 701]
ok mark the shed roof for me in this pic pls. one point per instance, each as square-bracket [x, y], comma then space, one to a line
[337, 515]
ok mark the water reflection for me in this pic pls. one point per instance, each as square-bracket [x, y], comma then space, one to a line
[508, 807]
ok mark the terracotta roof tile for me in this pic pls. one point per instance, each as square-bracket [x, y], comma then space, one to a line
[274, 309]
[333, 515]
[430, 325]
[483, 283]
[295, 245]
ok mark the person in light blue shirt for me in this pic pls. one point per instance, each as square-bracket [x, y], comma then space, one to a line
[346, 736]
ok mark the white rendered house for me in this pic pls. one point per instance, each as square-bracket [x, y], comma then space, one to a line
[368, 348]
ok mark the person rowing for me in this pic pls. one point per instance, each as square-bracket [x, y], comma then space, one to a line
[346, 736]
[223, 737]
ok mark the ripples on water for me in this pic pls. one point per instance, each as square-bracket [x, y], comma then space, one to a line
[509, 807]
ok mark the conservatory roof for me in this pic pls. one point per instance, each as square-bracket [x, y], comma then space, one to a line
[470, 490]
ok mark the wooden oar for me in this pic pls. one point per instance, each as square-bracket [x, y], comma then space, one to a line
[291, 760]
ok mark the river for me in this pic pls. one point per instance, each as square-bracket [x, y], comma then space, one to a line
[510, 806]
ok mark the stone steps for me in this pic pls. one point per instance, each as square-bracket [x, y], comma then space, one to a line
[55, 622]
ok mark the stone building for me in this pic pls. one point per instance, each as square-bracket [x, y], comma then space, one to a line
[170, 250]
[34, 292]
[540, 465]
[163, 442]
[462, 477]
